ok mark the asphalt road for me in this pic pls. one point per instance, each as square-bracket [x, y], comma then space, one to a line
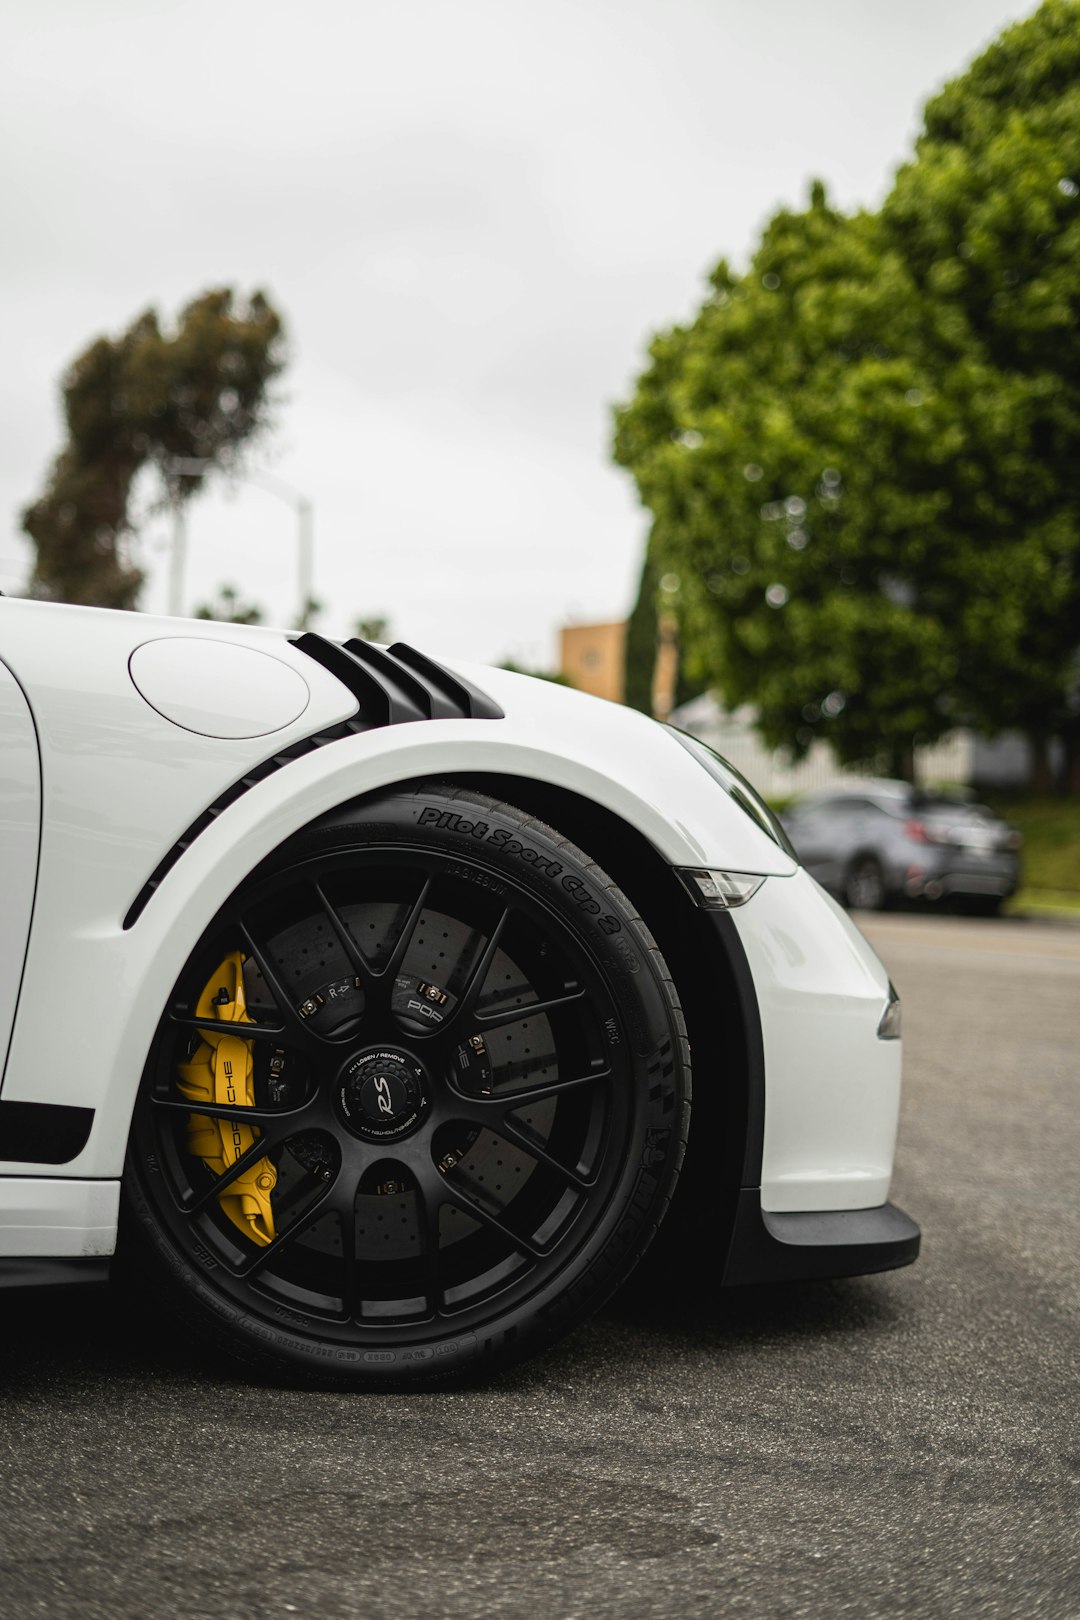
[900, 1445]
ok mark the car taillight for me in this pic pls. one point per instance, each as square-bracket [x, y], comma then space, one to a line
[921, 833]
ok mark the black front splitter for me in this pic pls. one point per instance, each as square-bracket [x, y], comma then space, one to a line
[768, 1247]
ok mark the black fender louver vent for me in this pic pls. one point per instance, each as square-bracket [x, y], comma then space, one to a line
[392, 688]
[398, 684]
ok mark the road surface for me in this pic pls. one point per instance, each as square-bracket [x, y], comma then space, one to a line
[907, 1444]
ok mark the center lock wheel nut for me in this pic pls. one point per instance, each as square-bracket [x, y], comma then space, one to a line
[382, 1094]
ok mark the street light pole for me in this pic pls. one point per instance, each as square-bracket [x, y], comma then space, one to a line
[176, 559]
[305, 514]
[305, 536]
[273, 485]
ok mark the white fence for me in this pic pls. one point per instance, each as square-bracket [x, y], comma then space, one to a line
[952, 760]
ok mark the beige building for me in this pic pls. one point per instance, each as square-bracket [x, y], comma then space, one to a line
[592, 657]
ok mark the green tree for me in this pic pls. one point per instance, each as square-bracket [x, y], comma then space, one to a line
[537, 674]
[865, 470]
[374, 628]
[987, 217]
[165, 399]
[643, 634]
[228, 607]
[778, 512]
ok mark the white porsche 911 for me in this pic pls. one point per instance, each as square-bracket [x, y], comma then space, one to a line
[359, 994]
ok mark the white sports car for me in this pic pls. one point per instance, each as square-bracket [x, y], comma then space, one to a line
[359, 993]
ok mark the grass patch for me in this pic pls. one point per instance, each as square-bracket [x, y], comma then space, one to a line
[1051, 852]
[1043, 903]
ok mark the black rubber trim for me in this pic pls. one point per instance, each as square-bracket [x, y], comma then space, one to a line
[48, 1271]
[767, 1247]
[43, 1133]
[754, 1058]
[392, 688]
[257, 773]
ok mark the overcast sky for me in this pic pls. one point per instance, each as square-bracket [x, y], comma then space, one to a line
[472, 213]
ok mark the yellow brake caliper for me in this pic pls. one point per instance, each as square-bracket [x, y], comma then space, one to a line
[222, 1070]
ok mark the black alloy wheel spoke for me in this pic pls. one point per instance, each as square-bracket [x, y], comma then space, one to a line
[355, 958]
[517, 1069]
[536, 1150]
[265, 1118]
[350, 1282]
[429, 1201]
[386, 975]
[470, 994]
[262, 1258]
[530, 1009]
[492, 1114]
[512, 1097]
[221, 1184]
[221, 1026]
[282, 998]
[341, 1199]
[453, 1194]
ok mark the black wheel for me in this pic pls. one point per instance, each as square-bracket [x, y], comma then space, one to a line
[864, 885]
[418, 1101]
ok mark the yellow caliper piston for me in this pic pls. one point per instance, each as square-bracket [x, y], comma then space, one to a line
[222, 1070]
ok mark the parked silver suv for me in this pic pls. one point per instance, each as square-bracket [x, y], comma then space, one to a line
[882, 841]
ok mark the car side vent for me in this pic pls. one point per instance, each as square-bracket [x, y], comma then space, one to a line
[398, 684]
[391, 687]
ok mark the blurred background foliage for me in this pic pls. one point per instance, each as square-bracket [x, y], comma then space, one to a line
[150, 398]
[228, 606]
[1051, 856]
[862, 457]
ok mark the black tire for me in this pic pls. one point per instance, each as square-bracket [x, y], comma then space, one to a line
[500, 1172]
[864, 885]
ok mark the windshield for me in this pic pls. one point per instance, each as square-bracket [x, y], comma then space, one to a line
[954, 809]
[736, 787]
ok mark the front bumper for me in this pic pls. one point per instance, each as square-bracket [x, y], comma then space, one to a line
[829, 1087]
[768, 1247]
[954, 873]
